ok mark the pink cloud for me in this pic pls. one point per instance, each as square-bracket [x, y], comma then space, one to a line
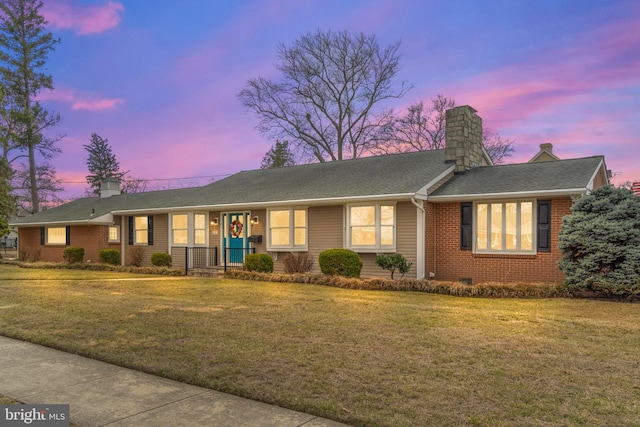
[83, 19]
[80, 101]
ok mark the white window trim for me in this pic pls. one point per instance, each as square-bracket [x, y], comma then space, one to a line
[534, 222]
[378, 225]
[117, 227]
[191, 230]
[56, 243]
[291, 247]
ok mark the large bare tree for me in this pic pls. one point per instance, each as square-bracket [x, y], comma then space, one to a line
[328, 99]
[423, 127]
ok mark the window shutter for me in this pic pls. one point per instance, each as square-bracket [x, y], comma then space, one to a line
[67, 232]
[150, 230]
[131, 230]
[466, 224]
[544, 225]
[42, 231]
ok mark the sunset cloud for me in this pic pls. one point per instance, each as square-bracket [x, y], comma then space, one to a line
[79, 101]
[83, 20]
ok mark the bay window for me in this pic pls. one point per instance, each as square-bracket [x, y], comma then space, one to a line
[504, 227]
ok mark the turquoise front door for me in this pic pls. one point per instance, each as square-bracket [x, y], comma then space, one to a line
[235, 236]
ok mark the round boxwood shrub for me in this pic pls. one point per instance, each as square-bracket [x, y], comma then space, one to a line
[73, 254]
[110, 256]
[341, 262]
[261, 263]
[161, 259]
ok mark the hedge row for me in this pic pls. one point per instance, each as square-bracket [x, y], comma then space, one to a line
[162, 271]
[489, 290]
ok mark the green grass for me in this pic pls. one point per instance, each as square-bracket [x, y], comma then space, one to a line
[370, 358]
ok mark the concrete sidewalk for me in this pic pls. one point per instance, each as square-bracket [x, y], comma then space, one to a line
[100, 394]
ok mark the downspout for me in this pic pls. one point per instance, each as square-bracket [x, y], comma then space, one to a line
[122, 246]
[423, 236]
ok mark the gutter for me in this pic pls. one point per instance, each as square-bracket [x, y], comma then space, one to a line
[511, 195]
[258, 205]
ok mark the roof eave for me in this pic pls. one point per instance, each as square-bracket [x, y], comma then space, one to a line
[509, 195]
[106, 219]
[259, 205]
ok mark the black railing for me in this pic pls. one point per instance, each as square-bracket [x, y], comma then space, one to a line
[233, 258]
[203, 257]
[200, 257]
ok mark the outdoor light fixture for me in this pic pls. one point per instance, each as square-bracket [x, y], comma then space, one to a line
[214, 221]
[254, 220]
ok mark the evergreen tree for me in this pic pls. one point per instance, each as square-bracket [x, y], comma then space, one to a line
[7, 201]
[24, 46]
[600, 242]
[102, 163]
[278, 156]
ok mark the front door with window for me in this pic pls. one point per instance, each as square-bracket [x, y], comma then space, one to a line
[235, 236]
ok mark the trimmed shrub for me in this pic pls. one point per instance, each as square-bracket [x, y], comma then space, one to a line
[341, 262]
[135, 256]
[73, 254]
[393, 262]
[262, 263]
[110, 256]
[297, 263]
[161, 259]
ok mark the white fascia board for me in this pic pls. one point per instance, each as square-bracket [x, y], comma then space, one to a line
[261, 205]
[600, 169]
[512, 195]
[106, 219]
[423, 191]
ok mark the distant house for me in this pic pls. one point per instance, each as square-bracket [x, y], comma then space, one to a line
[451, 213]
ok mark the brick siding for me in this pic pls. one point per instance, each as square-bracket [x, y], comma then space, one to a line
[445, 258]
[93, 238]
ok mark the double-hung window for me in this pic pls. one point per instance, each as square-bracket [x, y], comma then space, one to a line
[180, 229]
[371, 227]
[505, 227]
[188, 229]
[114, 234]
[287, 229]
[141, 230]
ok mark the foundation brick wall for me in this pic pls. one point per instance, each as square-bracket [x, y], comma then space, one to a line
[445, 258]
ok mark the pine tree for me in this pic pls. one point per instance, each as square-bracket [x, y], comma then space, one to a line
[600, 242]
[102, 163]
[24, 46]
[278, 156]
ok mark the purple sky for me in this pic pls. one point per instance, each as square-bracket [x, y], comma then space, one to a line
[160, 79]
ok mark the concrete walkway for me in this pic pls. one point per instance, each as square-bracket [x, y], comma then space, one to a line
[100, 394]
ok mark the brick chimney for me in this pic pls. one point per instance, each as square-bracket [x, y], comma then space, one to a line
[464, 139]
[109, 187]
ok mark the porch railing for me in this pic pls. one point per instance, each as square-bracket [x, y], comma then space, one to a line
[233, 258]
[208, 257]
[200, 257]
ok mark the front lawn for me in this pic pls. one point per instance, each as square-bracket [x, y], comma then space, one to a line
[370, 358]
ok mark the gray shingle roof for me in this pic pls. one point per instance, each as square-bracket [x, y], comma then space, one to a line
[401, 175]
[553, 176]
[397, 174]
